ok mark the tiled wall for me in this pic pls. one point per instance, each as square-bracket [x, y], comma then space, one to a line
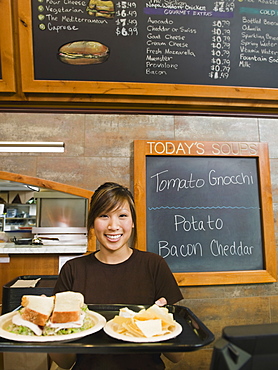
[100, 148]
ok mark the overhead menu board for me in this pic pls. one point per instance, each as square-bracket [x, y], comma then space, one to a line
[207, 209]
[161, 47]
[7, 81]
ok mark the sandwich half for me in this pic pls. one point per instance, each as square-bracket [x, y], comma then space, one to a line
[37, 309]
[67, 307]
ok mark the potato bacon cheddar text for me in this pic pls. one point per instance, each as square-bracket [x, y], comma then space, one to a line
[154, 321]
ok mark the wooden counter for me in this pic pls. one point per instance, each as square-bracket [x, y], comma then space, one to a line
[62, 248]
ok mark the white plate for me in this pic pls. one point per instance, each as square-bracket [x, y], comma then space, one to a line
[6, 320]
[108, 328]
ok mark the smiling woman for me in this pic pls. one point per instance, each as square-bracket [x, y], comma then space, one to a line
[113, 222]
[117, 273]
[113, 231]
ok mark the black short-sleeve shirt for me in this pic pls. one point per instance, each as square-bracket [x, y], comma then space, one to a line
[142, 279]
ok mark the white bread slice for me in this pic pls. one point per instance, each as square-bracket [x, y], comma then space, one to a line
[67, 307]
[37, 309]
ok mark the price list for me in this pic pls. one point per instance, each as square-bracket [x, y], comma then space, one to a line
[221, 42]
[127, 19]
[220, 49]
[229, 42]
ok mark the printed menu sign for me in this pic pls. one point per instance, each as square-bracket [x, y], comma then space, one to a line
[228, 43]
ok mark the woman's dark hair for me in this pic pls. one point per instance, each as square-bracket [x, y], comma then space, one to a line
[108, 197]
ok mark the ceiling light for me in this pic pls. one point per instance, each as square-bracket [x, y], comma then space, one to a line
[31, 147]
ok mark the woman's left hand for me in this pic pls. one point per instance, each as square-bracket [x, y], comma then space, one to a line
[161, 302]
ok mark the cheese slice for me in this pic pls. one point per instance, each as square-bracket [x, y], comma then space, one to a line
[150, 328]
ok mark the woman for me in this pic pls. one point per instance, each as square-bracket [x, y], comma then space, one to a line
[117, 273]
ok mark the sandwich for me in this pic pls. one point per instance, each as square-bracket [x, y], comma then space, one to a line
[64, 313]
[101, 8]
[83, 53]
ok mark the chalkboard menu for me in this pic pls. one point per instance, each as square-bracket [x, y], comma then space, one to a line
[207, 209]
[7, 81]
[168, 42]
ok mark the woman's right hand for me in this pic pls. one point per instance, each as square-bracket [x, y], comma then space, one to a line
[161, 302]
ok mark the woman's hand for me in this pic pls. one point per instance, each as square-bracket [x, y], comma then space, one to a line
[172, 356]
[161, 302]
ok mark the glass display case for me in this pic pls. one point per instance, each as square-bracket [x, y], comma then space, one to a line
[19, 216]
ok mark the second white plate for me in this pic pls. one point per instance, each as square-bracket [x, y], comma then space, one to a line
[108, 328]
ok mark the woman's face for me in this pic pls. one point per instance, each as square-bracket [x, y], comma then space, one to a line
[113, 229]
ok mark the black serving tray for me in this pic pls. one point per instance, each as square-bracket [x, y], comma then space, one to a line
[194, 336]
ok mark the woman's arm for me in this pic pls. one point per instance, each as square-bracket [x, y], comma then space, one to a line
[63, 360]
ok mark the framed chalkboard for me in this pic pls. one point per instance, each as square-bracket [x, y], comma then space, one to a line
[7, 80]
[206, 208]
[212, 49]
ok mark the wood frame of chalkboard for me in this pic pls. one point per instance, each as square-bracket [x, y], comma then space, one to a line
[124, 91]
[7, 75]
[186, 149]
